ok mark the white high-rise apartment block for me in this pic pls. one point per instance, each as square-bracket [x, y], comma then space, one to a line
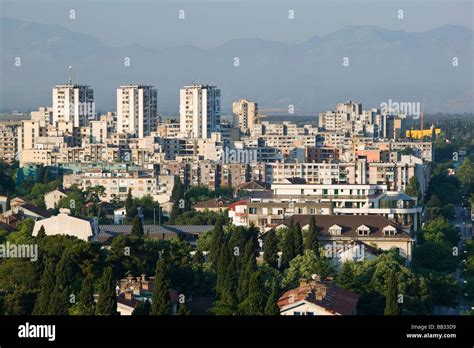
[137, 110]
[199, 110]
[73, 103]
[245, 113]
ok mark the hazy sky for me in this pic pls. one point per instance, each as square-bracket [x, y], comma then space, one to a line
[210, 23]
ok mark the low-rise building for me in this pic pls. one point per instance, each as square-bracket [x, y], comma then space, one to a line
[318, 298]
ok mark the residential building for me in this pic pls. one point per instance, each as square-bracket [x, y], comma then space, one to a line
[64, 224]
[137, 110]
[245, 114]
[199, 109]
[317, 297]
[73, 103]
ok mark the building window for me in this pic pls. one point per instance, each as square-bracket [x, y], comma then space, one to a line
[297, 313]
[363, 230]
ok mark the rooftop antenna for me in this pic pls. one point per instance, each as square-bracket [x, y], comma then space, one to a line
[422, 115]
[70, 74]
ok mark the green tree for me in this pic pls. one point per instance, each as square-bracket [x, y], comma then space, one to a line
[271, 307]
[46, 176]
[270, 248]
[47, 286]
[304, 266]
[465, 173]
[137, 227]
[217, 241]
[391, 304]
[249, 266]
[19, 302]
[413, 188]
[41, 232]
[311, 241]
[129, 206]
[254, 303]
[143, 308]
[86, 296]
[183, 309]
[107, 302]
[161, 304]
[226, 303]
[298, 239]
[288, 247]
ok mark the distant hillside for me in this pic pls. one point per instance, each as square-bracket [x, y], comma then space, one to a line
[384, 64]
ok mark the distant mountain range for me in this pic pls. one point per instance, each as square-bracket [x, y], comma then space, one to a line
[383, 65]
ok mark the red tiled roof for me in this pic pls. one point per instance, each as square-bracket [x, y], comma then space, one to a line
[326, 295]
[349, 224]
[233, 205]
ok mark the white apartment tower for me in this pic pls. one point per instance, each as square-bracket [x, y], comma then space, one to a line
[137, 110]
[245, 114]
[73, 103]
[199, 110]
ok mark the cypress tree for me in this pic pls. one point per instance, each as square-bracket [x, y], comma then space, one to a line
[183, 309]
[311, 242]
[226, 300]
[198, 258]
[41, 233]
[47, 285]
[271, 307]
[391, 304]
[1, 208]
[248, 268]
[58, 302]
[107, 302]
[86, 296]
[223, 263]
[254, 304]
[64, 273]
[129, 203]
[8, 206]
[270, 248]
[217, 242]
[46, 177]
[298, 240]
[137, 227]
[175, 211]
[161, 304]
[288, 248]
[143, 308]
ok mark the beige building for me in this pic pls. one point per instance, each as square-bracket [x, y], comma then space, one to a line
[374, 230]
[73, 103]
[65, 225]
[199, 111]
[8, 143]
[137, 110]
[44, 115]
[245, 114]
[52, 198]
